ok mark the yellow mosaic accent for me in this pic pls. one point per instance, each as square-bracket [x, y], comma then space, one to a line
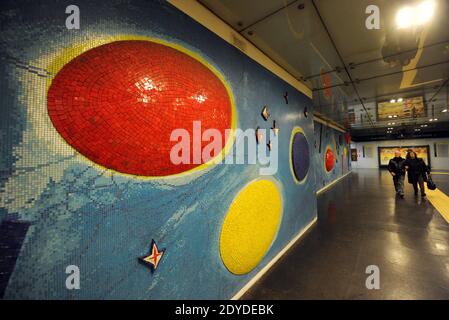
[250, 226]
[440, 201]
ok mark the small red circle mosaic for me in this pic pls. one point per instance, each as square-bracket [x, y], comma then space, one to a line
[329, 160]
[117, 104]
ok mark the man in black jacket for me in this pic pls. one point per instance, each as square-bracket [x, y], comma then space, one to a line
[396, 168]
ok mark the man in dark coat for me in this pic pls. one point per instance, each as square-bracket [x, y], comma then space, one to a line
[397, 170]
[417, 172]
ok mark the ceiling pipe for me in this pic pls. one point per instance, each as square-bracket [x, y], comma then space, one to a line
[267, 16]
[353, 65]
[383, 75]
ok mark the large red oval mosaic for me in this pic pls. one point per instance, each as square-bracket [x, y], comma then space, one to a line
[118, 103]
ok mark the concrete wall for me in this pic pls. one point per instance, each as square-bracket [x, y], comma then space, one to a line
[437, 163]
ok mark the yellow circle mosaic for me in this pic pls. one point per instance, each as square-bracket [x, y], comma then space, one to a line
[250, 226]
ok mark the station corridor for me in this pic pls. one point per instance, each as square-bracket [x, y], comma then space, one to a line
[361, 222]
[217, 150]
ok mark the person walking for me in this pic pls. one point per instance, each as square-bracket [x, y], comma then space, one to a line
[417, 172]
[396, 168]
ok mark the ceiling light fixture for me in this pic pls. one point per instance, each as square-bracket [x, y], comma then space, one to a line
[400, 100]
[418, 15]
[392, 101]
[445, 110]
[424, 12]
[404, 17]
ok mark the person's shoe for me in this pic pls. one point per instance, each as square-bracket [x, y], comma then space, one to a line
[402, 195]
[423, 195]
[416, 193]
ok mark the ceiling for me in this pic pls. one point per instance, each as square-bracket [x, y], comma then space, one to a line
[350, 68]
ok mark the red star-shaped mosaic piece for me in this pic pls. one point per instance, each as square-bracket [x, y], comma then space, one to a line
[154, 257]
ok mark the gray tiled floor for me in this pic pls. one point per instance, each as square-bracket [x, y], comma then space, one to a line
[361, 223]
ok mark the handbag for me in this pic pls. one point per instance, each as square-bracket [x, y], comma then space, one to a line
[430, 184]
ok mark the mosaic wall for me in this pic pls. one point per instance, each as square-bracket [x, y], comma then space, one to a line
[85, 176]
[332, 155]
[332, 152]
